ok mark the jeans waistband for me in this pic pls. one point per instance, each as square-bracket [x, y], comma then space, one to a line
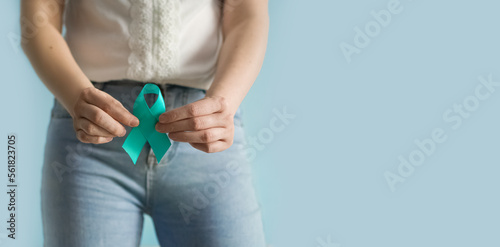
[134, 83]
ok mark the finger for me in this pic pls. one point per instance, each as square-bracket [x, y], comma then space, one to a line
[111, 106]
[212, 147]
[102, 119]
[204, 136]
[83, 137]
[192, 124]
[199, 108]
[92, 129]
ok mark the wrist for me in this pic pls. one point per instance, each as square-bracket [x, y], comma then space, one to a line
[230, 104]
[70, 98]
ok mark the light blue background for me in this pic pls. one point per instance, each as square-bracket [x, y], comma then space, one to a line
[323, 175]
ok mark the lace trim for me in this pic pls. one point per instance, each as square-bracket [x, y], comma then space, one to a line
[154, 40]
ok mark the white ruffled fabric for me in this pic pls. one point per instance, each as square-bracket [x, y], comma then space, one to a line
[154, 41]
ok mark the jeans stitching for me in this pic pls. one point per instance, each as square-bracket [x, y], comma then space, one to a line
[149, 189]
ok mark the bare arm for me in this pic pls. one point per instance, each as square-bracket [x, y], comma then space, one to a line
[48, 52]
[96, 115]
[245, 29]
[207, 124]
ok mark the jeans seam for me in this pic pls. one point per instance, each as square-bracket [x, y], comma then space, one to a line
[149, 190]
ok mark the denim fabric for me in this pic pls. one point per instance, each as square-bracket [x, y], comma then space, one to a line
[93, 195]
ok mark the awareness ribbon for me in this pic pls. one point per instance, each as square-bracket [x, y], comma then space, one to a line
[146, 132]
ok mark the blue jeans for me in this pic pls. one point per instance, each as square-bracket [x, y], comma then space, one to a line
[93, 195]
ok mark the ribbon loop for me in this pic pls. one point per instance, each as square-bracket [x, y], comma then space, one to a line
[146, 132]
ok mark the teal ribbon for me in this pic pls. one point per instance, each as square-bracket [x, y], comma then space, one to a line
[146, 132]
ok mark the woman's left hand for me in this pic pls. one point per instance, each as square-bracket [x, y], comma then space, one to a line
[206, 124]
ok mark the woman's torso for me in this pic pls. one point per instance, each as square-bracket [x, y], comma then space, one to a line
[160, 41]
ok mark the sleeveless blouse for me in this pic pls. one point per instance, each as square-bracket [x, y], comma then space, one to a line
[160, 41]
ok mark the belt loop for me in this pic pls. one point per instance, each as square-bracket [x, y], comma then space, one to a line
[164, 91]
[98, 85]
[164, 88]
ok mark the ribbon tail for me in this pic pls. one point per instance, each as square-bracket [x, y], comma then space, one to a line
[160, 143]
[133, 144]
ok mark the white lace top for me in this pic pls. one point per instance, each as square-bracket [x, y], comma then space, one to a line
[161, 41]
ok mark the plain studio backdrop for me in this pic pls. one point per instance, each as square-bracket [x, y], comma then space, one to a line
[372, 123]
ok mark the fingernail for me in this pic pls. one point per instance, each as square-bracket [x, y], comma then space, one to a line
[124, 132]
[135, 122]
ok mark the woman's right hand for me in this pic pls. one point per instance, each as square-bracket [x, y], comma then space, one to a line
[97, 117]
